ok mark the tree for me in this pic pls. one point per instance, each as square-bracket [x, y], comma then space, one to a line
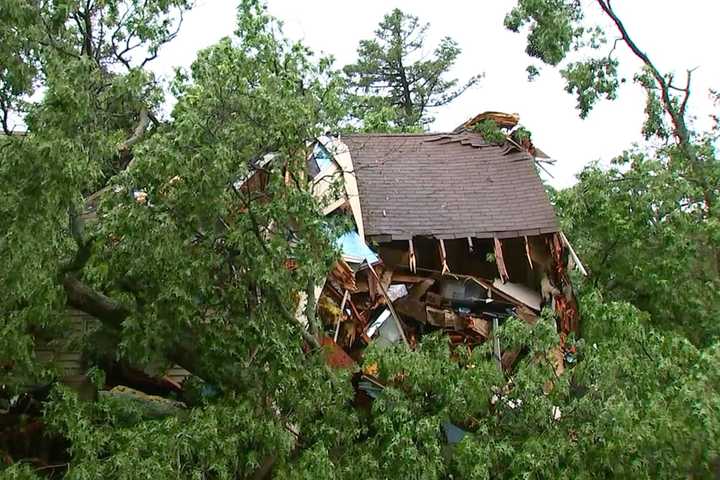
[179, 264]
[645, 243]
[638, 404]
[556, 26]
[85, 60]
[649, 225]
[396, 81]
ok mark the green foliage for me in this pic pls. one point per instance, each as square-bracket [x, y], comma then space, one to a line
[533, 72]
[223, 440]
[521, 134]
[648, 226]
[556, 29]
[552, 27]
[490, 131]
[655, 122]
[591, 80]
[198, 263]
[68, 151]
[638, 404]
[194, 267]
[641, 228]
[391, 87]
[19, 471]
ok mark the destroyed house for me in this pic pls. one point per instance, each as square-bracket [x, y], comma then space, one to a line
[452, 232]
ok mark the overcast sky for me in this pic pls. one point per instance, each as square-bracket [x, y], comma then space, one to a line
[677, 36]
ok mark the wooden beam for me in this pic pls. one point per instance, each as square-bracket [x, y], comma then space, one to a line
[389, 305]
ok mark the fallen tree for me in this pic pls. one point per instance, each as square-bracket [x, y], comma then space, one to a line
[151, 226]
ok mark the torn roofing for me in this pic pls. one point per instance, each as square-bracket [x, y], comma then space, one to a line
[447, 186]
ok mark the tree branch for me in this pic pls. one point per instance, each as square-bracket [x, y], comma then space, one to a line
[124, 147]
[142, 125]
[5, 117]
[112, 313]
[686, 90]
[307, 336]
[677, 114]
[105, 309]
[679, 126]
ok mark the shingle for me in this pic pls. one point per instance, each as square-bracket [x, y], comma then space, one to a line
[444, 184]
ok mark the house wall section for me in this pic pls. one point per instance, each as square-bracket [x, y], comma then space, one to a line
[67, 358]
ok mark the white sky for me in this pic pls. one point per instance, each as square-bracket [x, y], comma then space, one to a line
[676, 35]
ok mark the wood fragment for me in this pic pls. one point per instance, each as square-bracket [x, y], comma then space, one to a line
[574, 256]
[399, 277]
[487, 285]
[412, 261]
[434, 299]
[526, 315]
[527, 252]
[508, 359]
[443, 257]
[412, 308]
[342, 314]
[500, 261]
[445, 318]
[386, 278]
[496, 344]
[389, 305]
[418, 290]
[373, 282]
[344, 275]
[479, 325]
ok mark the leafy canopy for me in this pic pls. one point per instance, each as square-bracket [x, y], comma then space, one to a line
[145, 224]
[649, 226]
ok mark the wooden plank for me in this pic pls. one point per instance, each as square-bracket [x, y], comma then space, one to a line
[389, 305]
[177, 374]
[399, 277]
[500, 261]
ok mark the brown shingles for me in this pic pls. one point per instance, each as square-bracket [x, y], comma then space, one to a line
[447, 186]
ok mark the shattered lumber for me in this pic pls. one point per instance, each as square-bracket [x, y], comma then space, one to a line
[397, 301]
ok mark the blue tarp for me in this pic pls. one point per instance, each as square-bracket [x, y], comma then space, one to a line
[355, 250]
[453, 433]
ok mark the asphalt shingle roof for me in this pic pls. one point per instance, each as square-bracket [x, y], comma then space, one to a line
[447, 186]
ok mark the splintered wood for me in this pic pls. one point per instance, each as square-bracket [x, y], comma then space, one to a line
[401, 300]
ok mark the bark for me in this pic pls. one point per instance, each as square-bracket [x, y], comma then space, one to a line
[125, 147]
[110, 312]
[183, 352]
[143, 122]
[677, 114]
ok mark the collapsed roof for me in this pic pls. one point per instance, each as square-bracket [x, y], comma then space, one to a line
[452, 185]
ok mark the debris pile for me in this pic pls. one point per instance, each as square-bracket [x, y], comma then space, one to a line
[452, 233]
[404, 292]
